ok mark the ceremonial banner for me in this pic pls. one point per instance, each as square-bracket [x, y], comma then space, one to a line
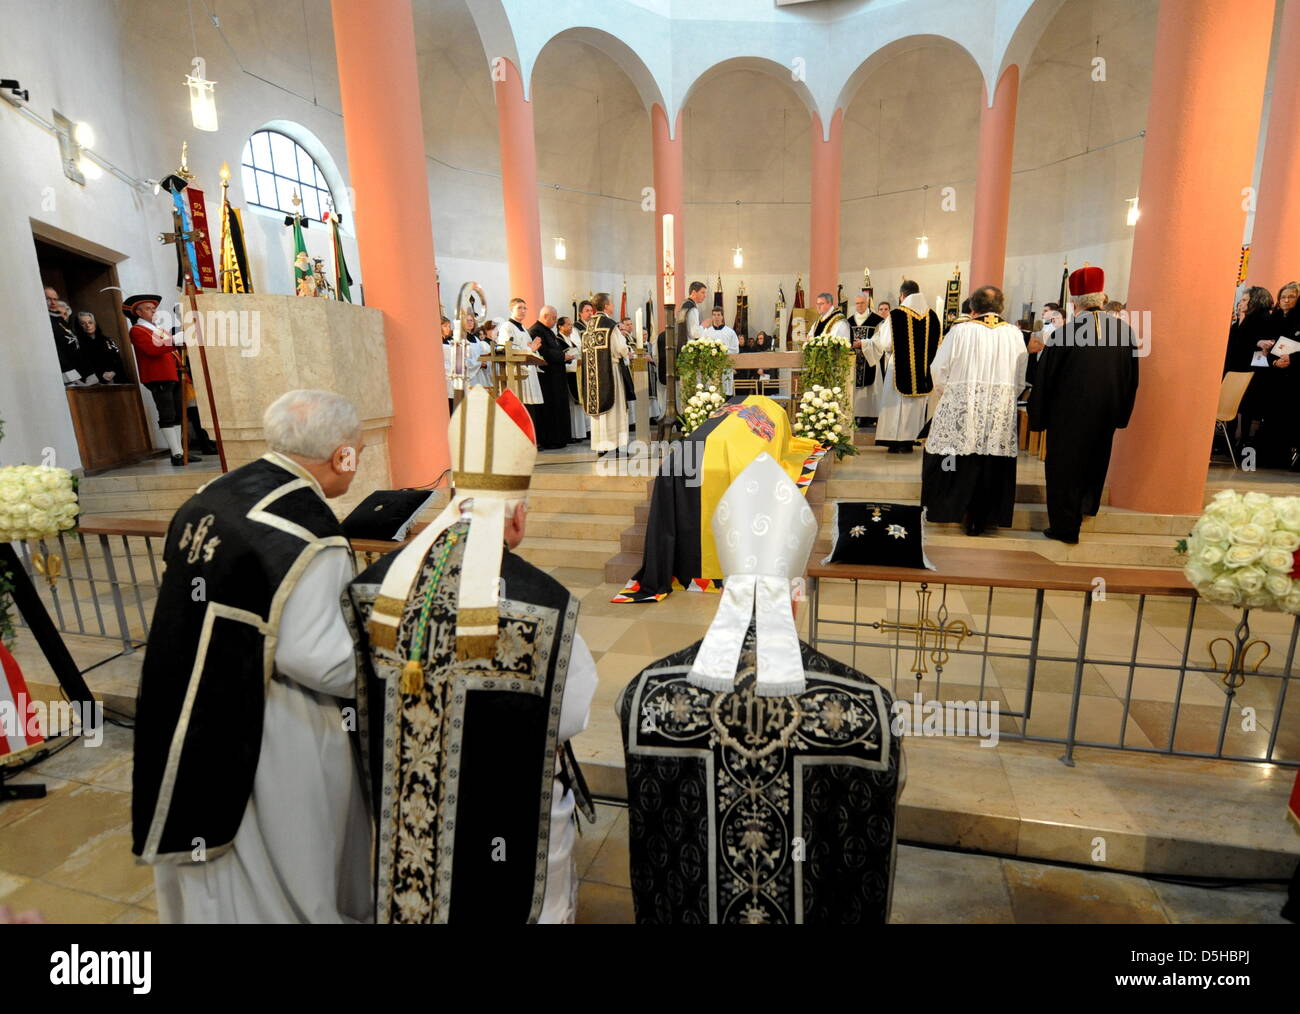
[235, 276]
[798, 305]
[342, 279]
[622, 304]
[206, 277]
[952, 300]
[304, 280]
[188, 256]
[741, 325]
[717, 295]
[1065, 289]
[679, 548]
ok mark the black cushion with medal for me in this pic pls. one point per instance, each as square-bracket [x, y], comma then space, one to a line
[879, 535]
[386, 514]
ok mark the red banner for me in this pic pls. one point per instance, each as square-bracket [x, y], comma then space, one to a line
[202, 247]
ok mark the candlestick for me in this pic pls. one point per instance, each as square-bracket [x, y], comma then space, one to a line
[670, 289]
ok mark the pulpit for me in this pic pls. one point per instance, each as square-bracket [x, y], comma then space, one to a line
[510, 369]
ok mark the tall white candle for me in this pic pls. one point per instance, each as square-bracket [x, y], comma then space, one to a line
[640, 322]
[670, 288]
[455, 329]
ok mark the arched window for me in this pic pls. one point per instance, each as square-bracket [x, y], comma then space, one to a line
[274, 166]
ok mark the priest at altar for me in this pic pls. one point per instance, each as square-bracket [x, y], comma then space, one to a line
[600, 378]
[246, 794]
[475, 681]
[912, 334]
[762, 776]
[969, 470]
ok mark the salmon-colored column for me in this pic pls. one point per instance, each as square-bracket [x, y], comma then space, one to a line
[1275, 242]
[988, 255]
[1207, 79]
[670, 198]
[519, 187]
[374, 42]
[824, 234]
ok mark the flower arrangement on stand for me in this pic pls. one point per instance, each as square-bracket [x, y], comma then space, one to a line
[701, 364]
[36, 502]
[821, 417]
[1243, 551]
[702, 404]
[828, 363]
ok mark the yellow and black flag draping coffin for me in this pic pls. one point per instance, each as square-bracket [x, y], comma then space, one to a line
[679, 548]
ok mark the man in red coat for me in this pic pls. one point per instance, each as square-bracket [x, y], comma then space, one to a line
[158, 363]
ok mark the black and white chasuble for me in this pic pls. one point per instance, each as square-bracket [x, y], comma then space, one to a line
[750, 809]
[596, 372]
[864, 373]
[244, 539]
[463, 770]
[916, 340]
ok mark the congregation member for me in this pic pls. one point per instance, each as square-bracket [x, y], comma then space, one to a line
[1084, 391]
[553, 431]
[66, 342]
[572, 338]
[246, 793]
[600, 379]
[482, 342]
[1279, 434]
[868, 379]
[475, 680]
[102, 355]
[1250, 338]
[752, 759]
[513, 332]
[449, 363]
[911, 336]
[969, 467]
[719, 331]
[158, 362]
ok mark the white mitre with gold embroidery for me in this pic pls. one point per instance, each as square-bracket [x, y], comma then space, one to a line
[493, 450]
[764, 530]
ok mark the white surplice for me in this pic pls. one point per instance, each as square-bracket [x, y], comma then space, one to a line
[559, 904]
[579, 422]
[302, 852]
[610, 430]
[728, 338]
[980, 370]
[866, 400]
[532, 384]
[900, 418]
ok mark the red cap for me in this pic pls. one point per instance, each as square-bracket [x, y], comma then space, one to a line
[515, 409]
[1087, 281]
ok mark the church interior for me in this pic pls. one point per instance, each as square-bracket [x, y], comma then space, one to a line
[327, 192]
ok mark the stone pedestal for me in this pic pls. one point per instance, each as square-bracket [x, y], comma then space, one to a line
[260, 346]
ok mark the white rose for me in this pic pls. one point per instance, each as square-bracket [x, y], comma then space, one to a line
[1224, 590]
[1257, 600]
[1288, 513]
[1235, 514]
[1257, 500]
[39, 521]
[11, 490]
[1265, 517]
[1278, 560]
[1248, 535]
[1199, 574]
[1212, 530]
[42, 500]
[1241, 556]
[1250, 580]
[1225, 494]
[1209, 556]
[835, 428]
[1282, 539]
[1278, 585]
[1291, 603]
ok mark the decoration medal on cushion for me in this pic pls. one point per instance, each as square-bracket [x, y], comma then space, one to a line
[879, 535]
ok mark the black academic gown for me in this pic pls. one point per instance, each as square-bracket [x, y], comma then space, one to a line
[1084, 392]
[553, 419]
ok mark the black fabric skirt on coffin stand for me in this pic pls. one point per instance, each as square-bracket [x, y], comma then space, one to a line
[979, 487]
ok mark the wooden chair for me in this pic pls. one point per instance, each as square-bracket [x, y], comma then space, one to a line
[1231, 391]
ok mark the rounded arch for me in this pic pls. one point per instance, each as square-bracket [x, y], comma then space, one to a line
[787, 75]
[891, 51]
[624, 56]
[1020, 46]
[315, 147]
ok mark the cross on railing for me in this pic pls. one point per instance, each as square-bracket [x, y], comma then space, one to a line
[929, 633]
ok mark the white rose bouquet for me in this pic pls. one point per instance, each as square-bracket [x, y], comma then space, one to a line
[36, 502]
[821, 418]
[702, 404]
[1245, 551]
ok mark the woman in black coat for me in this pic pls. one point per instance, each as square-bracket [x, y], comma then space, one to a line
[99, 351]
[1279, 435]
[1251, 333]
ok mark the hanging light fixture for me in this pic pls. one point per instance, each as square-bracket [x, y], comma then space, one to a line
[923, 241]
[83, 134]
[203, 99]
[737, 254]
[1133, 212]
[561, 251]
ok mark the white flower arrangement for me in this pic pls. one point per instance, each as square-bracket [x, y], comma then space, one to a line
[826, 340]
[702, 404]
[1243, 551]
[36, 502]
[821, 417]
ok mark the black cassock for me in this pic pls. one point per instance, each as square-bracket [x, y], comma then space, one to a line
[553, 419]
[747, 809]
[1084, 389]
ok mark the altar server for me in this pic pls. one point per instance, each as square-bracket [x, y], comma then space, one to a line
[579, 424]
[718, 331]
[513, 332]
[476, 680]
[969, 470]
[762, 776]
[911, 333]
[247, 796]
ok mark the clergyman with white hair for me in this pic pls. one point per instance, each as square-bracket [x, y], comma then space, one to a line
[247, 797]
